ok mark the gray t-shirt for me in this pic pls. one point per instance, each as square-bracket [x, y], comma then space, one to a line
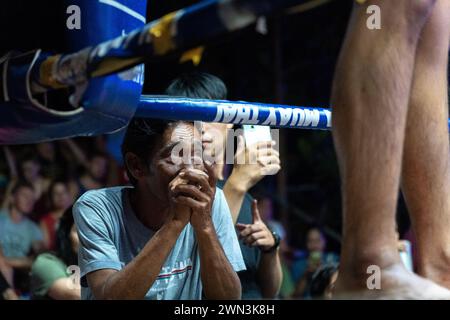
[111, 236]
[17, 238]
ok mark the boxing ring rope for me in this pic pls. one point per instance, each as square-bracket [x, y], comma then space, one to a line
[237, 112]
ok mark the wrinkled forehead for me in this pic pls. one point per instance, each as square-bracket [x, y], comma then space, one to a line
[180, 132]
[185, 133]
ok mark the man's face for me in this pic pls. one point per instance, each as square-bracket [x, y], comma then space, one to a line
[60, 196]
[24, 200]
[315, 241]
[30, 169]
[176, 151]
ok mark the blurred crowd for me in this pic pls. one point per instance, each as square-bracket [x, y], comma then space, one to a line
[38, 185]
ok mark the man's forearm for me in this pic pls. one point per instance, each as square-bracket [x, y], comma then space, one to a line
[270, 274]
[134, 281]
[219, 280]
[234, 193]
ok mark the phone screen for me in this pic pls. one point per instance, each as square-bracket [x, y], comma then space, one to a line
[254, 134]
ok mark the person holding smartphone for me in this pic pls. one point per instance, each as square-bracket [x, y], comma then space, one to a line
[259, 245]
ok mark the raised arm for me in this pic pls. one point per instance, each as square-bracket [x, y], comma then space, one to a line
[252, 163]
[13, 175]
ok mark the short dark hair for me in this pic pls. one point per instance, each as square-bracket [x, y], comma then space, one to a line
[21, 184]
[63, 242]
[198, 85]
[29, 155]
[141, 138]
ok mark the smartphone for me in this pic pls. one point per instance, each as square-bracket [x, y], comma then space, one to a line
[254, 134]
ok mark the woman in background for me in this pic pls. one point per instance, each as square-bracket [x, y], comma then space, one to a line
[50, 275]
[60, 200]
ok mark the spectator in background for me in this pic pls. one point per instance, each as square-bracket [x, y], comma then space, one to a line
[30, 171]
[50, 277]
[20, 237]
[53, 163]
[95, 175]
[259, 245]
[310, 261]
[98, 169]
[60, 200]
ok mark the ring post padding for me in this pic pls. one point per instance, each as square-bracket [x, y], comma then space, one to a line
[108, 102]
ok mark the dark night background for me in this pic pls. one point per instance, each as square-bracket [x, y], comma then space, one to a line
[292, 64]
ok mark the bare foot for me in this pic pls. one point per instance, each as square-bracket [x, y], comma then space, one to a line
[397, 283]
[438, 274]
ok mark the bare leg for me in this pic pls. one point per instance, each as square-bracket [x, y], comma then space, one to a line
[370, 97]
[426, 161]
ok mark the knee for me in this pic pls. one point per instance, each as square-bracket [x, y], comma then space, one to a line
[416, 10]
[407, 15]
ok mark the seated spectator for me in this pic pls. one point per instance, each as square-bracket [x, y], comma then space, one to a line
[20, 237]
[263, 275]
[60, 200]
[30, 172]
[52, 161]
[6, 280]
[50, 278]
[95, 174]
[311, 260]
[170, 236]
[94, 167]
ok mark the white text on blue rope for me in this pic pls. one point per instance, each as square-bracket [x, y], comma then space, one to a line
[278, 116]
